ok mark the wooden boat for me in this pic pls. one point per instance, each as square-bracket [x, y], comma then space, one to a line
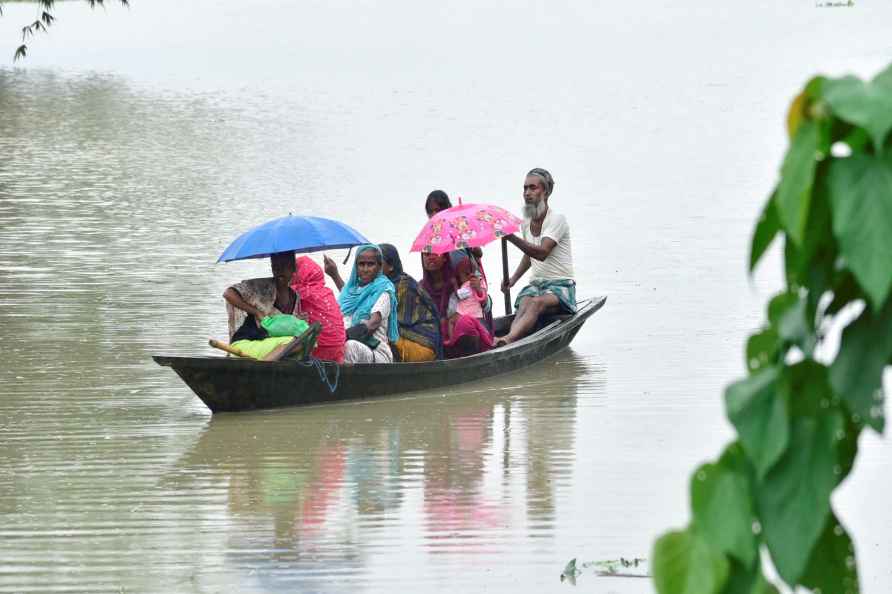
[231, 384]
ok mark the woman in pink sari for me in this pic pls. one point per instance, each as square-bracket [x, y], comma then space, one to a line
[469, 335]
[318, 304]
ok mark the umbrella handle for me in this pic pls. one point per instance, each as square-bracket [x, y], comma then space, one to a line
[473, 261]
[507, 291]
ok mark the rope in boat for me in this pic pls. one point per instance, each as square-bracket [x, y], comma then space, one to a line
[320, 366]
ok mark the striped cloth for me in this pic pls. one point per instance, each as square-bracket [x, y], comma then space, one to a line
[564, 289]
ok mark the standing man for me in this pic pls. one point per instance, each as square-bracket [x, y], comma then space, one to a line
[546, 249]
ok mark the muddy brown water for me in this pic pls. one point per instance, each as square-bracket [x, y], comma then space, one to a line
[134, 147]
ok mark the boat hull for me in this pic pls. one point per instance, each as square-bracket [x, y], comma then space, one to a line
[229, 384]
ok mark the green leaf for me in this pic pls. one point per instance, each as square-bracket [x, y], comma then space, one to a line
[797, 176]
[857, 139]
[819, 252]
[865, 104]
[570, 572]
[847, 448]
[763, 586]
[779, 305]
[794, 499]
[861, 196]
[742, 580]
[802, 106]
[857, 373]
[814, 88]
[684, 563]
[721, 502]
[792, 263]
[845, 290]
[759, 413]
[762, 349]
[792, 323]
[766, 229]
[825, 137]
[832, 566]
[811, 264]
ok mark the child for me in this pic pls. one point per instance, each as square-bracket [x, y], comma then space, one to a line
[470, 296]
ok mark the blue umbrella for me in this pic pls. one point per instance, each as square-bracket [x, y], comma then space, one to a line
[292, 233]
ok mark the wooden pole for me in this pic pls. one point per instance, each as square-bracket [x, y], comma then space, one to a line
[507, 291]
[225, 347]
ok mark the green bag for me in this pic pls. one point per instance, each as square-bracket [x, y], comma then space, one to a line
[284, 325]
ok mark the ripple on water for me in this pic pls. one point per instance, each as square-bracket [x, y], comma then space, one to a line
[115, 201]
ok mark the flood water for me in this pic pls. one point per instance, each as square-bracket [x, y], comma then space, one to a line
[135, 144]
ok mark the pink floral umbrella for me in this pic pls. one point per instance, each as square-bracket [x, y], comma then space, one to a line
[464, 226]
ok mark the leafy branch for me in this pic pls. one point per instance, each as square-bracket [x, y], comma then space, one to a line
[797, 417]
[44, 19]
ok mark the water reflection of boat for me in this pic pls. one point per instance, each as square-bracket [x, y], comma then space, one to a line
[311, 497]
[227, 384]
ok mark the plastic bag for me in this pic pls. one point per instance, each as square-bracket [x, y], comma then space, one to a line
[284, 325]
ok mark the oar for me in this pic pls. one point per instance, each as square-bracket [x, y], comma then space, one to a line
[225, 347]
[505, 276]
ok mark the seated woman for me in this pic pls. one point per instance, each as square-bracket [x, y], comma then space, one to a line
[469, 335]
[368, 302]
[419, 321]
[251, 302]
[318, 304]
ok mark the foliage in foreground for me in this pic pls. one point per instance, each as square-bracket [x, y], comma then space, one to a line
[44, 19]
[797, 417]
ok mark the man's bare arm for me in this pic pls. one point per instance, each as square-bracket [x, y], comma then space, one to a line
[539, 252]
